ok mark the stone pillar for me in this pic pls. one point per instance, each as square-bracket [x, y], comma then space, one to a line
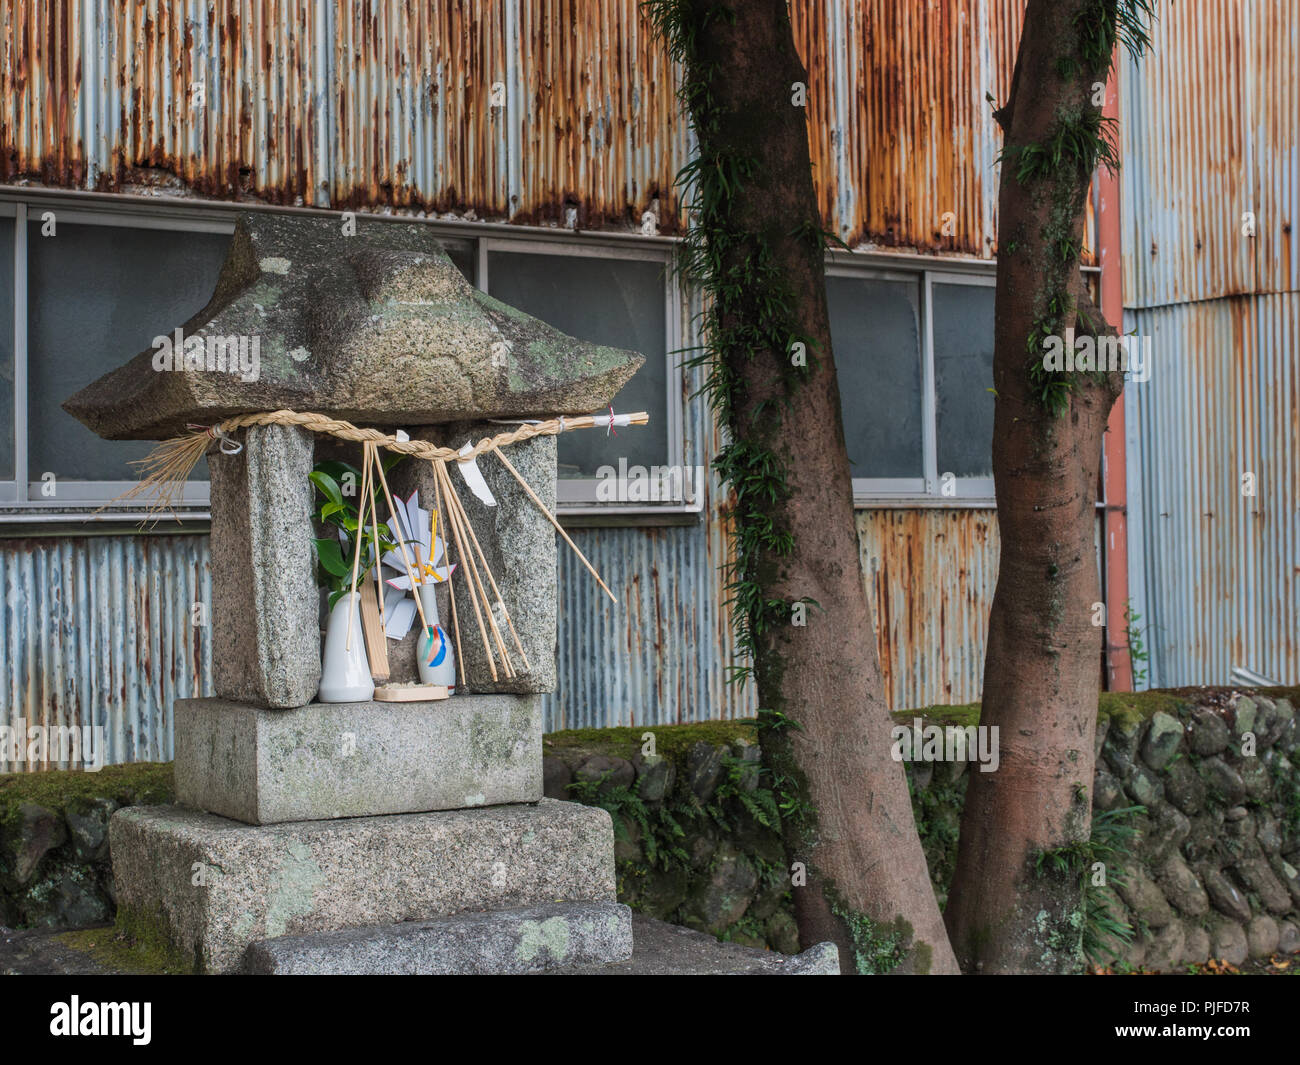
[265, 604]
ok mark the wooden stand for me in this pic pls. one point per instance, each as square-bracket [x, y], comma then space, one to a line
[411, 693]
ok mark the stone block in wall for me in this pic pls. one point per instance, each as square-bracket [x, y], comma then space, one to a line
[1181, 887]
[1228, 942]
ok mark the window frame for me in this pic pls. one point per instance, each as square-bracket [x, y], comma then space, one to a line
[925, 490]
[20, 498]
[577, 495]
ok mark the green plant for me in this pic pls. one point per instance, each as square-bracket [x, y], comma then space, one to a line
[1108, 843]
[336, 483]
[1137, 651]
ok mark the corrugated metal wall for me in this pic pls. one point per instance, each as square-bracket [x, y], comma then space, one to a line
[98, 631]
[519, 109]
[1210, 133]
[930, 574]
[527, 109]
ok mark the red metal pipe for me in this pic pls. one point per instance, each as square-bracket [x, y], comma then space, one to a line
[1119, 665]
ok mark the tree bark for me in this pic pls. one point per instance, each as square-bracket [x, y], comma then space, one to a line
[1041, 674]
[868, 887]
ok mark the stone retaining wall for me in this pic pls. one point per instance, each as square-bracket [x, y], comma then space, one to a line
[1211, 870]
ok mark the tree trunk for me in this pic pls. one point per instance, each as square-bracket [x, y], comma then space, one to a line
[825, 726]
[1041, 673]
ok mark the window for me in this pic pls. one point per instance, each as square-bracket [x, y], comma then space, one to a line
[618, 297]
[81, 292]
[914, 356]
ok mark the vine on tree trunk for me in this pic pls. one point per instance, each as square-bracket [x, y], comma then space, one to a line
[1080, 141]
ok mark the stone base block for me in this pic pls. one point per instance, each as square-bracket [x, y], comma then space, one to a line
[209, 886]
[502, 942]
[330, 760]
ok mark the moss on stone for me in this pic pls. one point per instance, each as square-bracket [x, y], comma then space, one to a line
[137, 783]
[670, 740]
[133, 945]
[961, 715]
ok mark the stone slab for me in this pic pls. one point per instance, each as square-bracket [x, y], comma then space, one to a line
[329, 760]
[498, 942]
[211, 886]
[662, 949]
[265, 603]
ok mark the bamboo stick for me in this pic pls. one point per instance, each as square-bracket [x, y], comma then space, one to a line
[378, 566]
[401, 541]
[551, 518]
[357, 535]
[491, 580]
[454, 504]
[462, 522]
[451, 588]
[468, 565]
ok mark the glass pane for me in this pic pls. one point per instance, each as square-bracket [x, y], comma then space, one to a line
[463, 255]
[618, 302]
[6, 349]
[963, 375]
[97, 296]
[876, 336]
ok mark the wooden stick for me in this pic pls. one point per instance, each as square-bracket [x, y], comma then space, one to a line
[378, 566]
[401, 542]
[451, 588]
[461, 521]
[357, 535]
[372, 630]
[491, 580]
[551, 518]
[454, 505]
[469, 580]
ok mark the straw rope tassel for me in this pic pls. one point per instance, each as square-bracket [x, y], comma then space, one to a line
[491, 580]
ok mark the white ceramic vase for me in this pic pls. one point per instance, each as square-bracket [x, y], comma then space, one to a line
[436, 660]
[345, 671]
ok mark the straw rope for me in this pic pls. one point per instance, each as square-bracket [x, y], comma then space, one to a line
[166, 468]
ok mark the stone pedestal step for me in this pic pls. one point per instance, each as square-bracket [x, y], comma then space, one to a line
[331, 760]
[210, 886]
[663, 949]
[501, 942]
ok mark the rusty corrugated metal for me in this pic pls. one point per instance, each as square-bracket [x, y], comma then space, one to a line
[518, 109]
[930, 576]
[1210, 132]
[599, 124]
[97, 631]
[1222, 582]
[918, 135]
